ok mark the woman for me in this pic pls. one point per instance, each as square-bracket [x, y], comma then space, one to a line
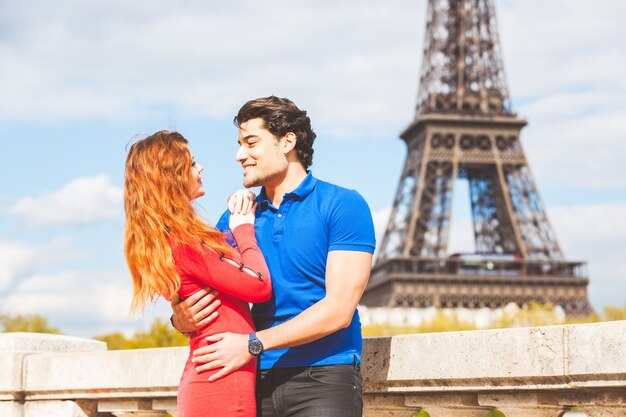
[169, 249]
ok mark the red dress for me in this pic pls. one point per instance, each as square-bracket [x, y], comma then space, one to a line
[232, 395]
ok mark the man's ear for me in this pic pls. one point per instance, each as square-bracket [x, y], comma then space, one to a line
[289, 142]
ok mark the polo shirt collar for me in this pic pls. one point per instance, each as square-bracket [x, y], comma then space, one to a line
[301, 192]
[305, 188]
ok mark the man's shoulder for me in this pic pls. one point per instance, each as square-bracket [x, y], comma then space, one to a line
[349, 218]
[334, 199]
[328, 189]
[222, 223]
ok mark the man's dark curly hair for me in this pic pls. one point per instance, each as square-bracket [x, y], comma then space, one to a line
[281, 116]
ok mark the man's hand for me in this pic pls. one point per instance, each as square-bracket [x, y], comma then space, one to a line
[228, 351]
[196, 311]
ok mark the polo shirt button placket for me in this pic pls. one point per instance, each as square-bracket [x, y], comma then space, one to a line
[281, 217]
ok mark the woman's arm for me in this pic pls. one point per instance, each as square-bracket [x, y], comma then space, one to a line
[248, 280]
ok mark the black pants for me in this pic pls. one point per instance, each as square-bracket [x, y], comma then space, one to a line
[314, 391]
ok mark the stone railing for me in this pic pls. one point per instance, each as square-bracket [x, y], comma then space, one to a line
[523, 372]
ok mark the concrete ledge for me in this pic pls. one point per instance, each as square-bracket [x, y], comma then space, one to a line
[11, 371]
[536, 371]
[10, 409]
[554, 357]
[44, 342]
[15, 347]
[53, 408]
[598, 348]
[118, 373]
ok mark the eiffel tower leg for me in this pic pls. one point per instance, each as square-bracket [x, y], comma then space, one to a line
[537, 234]
[395, 238]
[432, 213]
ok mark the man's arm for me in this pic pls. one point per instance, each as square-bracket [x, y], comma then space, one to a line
[347, 273]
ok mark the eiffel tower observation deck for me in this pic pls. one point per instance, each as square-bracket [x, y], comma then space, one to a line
[464, 127]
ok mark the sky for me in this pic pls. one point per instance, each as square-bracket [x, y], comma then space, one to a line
[80, 80]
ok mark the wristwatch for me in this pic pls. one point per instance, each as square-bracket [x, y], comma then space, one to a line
[255, 347]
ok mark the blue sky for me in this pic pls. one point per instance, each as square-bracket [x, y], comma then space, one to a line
[78, 80]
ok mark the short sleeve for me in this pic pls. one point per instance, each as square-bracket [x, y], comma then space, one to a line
[351, 224]
[222, 223]
[224, 227]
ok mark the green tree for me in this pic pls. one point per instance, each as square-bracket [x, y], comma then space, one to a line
[535, 314]
[387, 330]
[442, 322]
[26, 323]
[114, 341]
[614, 313]
[161, 334]
[445, 322]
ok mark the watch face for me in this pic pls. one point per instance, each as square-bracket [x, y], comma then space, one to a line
[255, 347]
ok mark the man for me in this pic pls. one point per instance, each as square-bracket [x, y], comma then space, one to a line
[318, 241]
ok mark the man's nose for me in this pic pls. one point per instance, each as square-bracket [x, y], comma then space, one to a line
[241, 154]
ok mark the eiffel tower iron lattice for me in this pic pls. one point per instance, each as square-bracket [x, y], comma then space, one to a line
[464, 128]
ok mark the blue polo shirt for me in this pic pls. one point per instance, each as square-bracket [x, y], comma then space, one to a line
[314, 219]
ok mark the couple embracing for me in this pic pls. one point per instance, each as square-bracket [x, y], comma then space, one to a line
[300, 252]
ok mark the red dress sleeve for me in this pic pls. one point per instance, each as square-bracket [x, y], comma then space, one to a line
[247, 278]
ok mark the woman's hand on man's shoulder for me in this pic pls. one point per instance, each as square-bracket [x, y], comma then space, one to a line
[242, 207]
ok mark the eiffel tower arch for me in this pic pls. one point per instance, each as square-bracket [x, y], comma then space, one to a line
[464, 127]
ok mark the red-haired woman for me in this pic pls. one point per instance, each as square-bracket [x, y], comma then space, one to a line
[169, 250]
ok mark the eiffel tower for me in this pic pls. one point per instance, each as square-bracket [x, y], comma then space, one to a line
[464, 128]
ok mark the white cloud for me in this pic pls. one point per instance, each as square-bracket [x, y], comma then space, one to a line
[592, 224]
[596, 234]
[348, 62]
[380, 218]
[84, 302]
[565, 63]
[73, 295]
[18, 259]
[351, 61]
[553, 46]
[353, 64]
[578, 150]
[569, 106]
[15, 259]
[82, 201]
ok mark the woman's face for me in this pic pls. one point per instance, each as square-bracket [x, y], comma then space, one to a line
[196, 189]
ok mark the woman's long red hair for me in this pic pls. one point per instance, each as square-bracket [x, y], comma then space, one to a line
[157, 202]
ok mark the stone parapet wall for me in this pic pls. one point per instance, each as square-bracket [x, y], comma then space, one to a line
[528, 372]
[541, 371]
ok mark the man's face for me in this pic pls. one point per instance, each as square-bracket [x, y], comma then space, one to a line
[260, 154]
